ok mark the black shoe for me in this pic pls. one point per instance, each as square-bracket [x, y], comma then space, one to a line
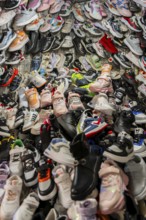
[119, 95]
[14, 58]
[77, 64]
[121, 151]
[31, 45]
[116, 83]
[4, 130]
[20, 117]
[87, 44]
[130, 91]
[129, 77]
[8, 76]
[16, 83]
[124, 121]
[11, 4]
[86, 167]
[6, 100]
[58, 41]
[78, 46]
[47, 42]
[37, 48]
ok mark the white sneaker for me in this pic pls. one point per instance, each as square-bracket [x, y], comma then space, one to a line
[139, 141]
[6, 16]
[11, 200]
[31, 117]
[133, 58]
[35, 25]
[63, 181]
[11, 116]
[27, 208]
[37, 80]
[67, 42]
[44, 114]
[15, 163]
[22, 98]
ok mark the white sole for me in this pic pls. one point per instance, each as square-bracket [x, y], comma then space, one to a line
[131, 48]
[49, 196]
[28, 21]
[49, 47]
[140, 121]
[128, 25]
[92, 64]
[111, 30]
[14, 6]
[32, 183]
[4, 134]
[13, 63]
[19, 46]
[38, 5]
[122, 64]
[11, 40]
[118, 158]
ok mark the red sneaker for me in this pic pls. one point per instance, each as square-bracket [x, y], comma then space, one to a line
[108, 44]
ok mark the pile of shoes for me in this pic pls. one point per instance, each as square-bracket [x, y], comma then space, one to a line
[73, 128]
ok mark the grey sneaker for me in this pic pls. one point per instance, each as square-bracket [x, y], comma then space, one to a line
[134, 44]
[8, 37]
[26, 17]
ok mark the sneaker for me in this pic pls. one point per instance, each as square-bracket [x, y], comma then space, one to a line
[89, 27]
[63, 182]
[34, 4]
[114, 200]
[122, 8]
[62, 155]
[121, 151]
[45, 5]
[4, 173]
[36, 62]
[11, 200]
[134, 7]
[30, 118]
[46, 187]
[33, 98]
[78, 30]
[9, 5]
[121, 58]
[67, 42]
[133, 59]
[7, 39]
[133, 44]
[108, 44]
[45, 98]
[20, 116]
[26, 17]
[135, 169]
[59, 104]
[15, 163]
[99, 49]
[14, 58]
[131, 23]
[138, 112]
[74, 101]
[56, 7]
[66, 9]
[11, 116]
[139, 140]
[6, 17]
[8, 101]
[28, 207]
[111, 6]
[35, 25]
[94, 10]
[77, 12]
[37, 80]
[114, 27]
[19, 41]
[4, 130]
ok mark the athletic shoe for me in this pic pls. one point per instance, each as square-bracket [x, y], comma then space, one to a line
[78, 30]
[134, 7]
[32, 98]
[34, 4]
[77, 12]
[141, 2]
[35, 25]
[26, 17]
[55, 8]
[138, 112]
[12, 4]
[4, 130]
[36, 62]
[37, 80]
[66, 9]
[16, 83]
[15, 164]
[142, 63]
[6, 17]
[14, 58]
[131, 23]
[4, 173]
[139, 140]
[28, 207]
[62, 155]
[63, 181]
[102, 84]
[111, 6]
[114, 200]
[20, 116]
[93, 8]
[122, 8]
[45, 5]
[142, 22]
[89, 27]
[74, 101]
[7, 39]
[136, 169]
[46, 187]
[30, 118]
[59, 104]
[114, 27]
[99, 49]
[108, 44]
[19, 41]
[134, 44]
[121, 151]
[11, 200]
[7, 101]
[133, 59]
[121, 58]
[11, 116]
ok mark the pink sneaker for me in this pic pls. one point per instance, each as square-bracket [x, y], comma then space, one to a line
[59, 105]
[113, 185]
[45, 5]
[102, 84]
[46, 98]
[74, 101]
[56, 7]
[122, 8]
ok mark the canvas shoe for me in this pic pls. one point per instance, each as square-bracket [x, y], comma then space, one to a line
[63, 181]
[11, 200]
[30, 118]
[133, 44]
[121, 151]
[6, 17]
[113, 185]
[135, 169]
[55, 8]
[7, 39]
[46, 187]
[35, 25]
[58, 151]
[43, 114]
[34, 4]
[4, 130]
[4, 173]
[138, 112]
[45, 5]
[131, 23]
[123, 9]
[11, 116]
[19, 41]
[33, 98]
[28, 207]
[10, 4]
[26, 17]
[15, 163]
[74, 101]
[59, 104]
[77, 11]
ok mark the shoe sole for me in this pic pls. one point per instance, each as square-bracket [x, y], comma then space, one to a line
[4, 134]
[49, 196]
[115, 12]
[31, 183]
[14, 62]
[8, 44]
[118, 158]
[19, 46]
[128, 25]
[131, 48]
[94, 132]
[14, 6]
[122, 64]
[28, 21]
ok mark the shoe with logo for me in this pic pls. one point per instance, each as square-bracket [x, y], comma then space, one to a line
[26, 17]
[93, 8]
[45, 5]
[33, 98]
[34, 4]
[138, 112]
[7, 39]
[63, 182]
[119, 95]
[131, 23]
[111, 176]
[19, 41]
[12, 4]
[46, 187]
[4, 173]
[30, 118]
[28, 207]
[122, 151]
[74, 101]
[133, 44]
[11, 200]
[123, 8]
[6, 17]
[58, 151]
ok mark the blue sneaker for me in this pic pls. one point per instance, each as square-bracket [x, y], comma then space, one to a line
[36, 62]
[7, 39]
[138, 112]
[139, 140]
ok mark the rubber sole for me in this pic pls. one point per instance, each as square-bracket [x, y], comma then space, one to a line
[118, 158]
[28, 21]
[131, 48]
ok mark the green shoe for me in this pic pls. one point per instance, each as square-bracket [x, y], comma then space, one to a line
[76, 76]
[94, 61]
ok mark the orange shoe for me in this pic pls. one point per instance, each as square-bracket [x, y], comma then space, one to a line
[19, 41]
[33, 98]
